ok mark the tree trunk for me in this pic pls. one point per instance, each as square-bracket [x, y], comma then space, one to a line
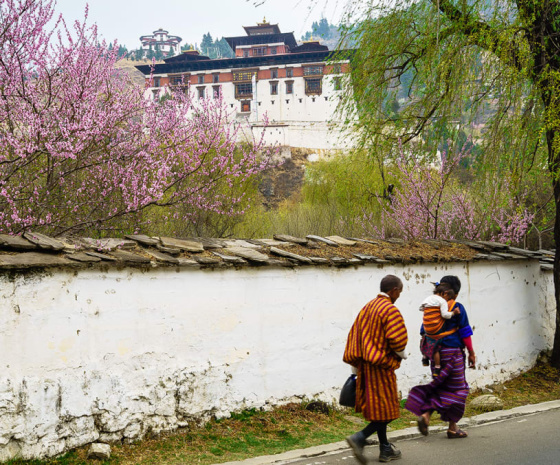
[555, 173]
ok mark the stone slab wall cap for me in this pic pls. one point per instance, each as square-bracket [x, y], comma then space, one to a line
[322, 239]
[355, 261]
[547, 267]
[518, 251]
[16, 242]
[493, 257]
[281, 263]
[342, 241]
[320, 260]
[248, 254]
[275, 243]
[168, 250]
[208, 261]
[33, 260]
[288, 238]
[338, 260]
[42, 241]
[99, 451]
[83, 257]
[365, 258]
[241, 243]
[367, 241]
[209, 242]
[510, 256]
[480, 256]
[231, 259]
[395, 240]
[187, 262]
[129, 257]
[105, 257]
[494, 245]
[162, 257]
[109, 244]
[187, 246]
[545, 252]
[143, 239]
[285, 253]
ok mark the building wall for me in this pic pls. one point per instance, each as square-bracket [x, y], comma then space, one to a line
[309, 121]
[113, 354]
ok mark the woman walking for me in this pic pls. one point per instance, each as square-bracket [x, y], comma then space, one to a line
[447, 393]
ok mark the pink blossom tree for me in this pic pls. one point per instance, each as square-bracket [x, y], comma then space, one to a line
[81, 149]
[430, 203]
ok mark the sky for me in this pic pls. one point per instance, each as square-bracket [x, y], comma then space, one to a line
[127, 20]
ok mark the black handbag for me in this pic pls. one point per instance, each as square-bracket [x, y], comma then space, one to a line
[348, 392]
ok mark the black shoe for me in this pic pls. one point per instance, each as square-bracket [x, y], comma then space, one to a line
[357, 443]
[388, 452]
[425, 361]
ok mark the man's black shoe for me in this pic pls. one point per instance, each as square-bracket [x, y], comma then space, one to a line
[357, 443]
[388, 452]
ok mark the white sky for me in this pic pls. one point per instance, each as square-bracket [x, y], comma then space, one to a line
[127, 20]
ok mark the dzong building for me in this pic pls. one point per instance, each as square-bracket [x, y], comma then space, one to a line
[298, 87]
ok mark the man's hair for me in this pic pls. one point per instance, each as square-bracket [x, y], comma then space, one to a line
[390, 282]
[440, 288]
[453, 281]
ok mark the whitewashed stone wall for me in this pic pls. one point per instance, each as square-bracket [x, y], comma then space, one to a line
[115, 354]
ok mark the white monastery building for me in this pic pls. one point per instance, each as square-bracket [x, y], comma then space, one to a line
[298, 87]
[169, 45]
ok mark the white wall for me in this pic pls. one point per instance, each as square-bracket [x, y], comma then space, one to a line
[112, 354]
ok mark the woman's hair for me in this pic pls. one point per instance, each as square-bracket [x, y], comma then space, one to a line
[442, 287]
[453, 281]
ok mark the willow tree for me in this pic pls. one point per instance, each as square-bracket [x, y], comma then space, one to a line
[488, 67]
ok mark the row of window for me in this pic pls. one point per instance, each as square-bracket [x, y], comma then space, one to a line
[245, 90]
[261, 51]
[240, 76]
[246, 104]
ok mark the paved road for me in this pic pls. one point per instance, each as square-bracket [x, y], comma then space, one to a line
[533, 439]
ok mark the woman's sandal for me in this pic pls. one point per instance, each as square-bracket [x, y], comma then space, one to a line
[459, 434]
[422, 426]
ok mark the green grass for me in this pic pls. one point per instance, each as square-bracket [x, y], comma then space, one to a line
[255, 432]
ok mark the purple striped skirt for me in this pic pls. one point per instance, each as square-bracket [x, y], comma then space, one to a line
[447, 394]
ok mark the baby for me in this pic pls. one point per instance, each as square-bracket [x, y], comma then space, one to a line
[437, 309]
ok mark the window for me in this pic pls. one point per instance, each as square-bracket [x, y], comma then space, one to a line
[179, 79]
[312, 70]
[201, 78]
[243, 75]
[313, 86]
[289, 72]
[200, 92]
[217, 91]
[337, 84]
[273, 74]
[289, 87]
[245, 106]
[259, 51]
[243, 90]
[337, 69]
[273, 50]
[155, 94]
[245, 53]
[216, 77]
[274, 88]
[157, 82]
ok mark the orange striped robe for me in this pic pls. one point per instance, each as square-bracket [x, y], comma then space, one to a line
[433, 321]
[376, 335]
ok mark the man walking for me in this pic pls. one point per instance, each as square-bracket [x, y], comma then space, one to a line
[375, 348]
